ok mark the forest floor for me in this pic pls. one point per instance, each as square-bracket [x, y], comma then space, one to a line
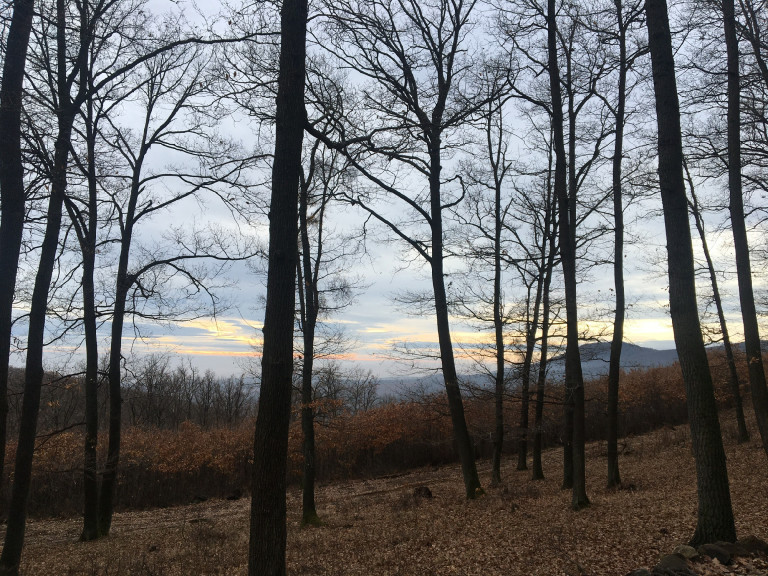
[377, 527]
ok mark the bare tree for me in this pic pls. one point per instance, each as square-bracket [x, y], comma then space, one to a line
[757, 379]
[733, 376]
[12, 193]
[323, 286]
[715, 514]
[422, 89]
[266, 549]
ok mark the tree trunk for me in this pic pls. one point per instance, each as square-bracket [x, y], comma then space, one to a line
[309, 308]
[456, 406]
[12, 204]
[538, 471]
[308, 508]
[574, 381]
[614, 366]
[757, 382]
[715, 515]
[123, 284]
[87, 236]
[733, 376]
[33, 376]
[530, 347]
[498, 325]
[266, 549]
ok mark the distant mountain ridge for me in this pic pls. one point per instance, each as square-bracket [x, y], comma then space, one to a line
[594, 363]
[595, 357]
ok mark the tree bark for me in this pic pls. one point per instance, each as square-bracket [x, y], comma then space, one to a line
[123, 283]
[310, 304]
[498, 325]
[541, 379]
[757, 381]
[12, 201]
[453, 392]
[266, 549]
[574, 381]
[614, 366]
[715, 515]
[733, 376]
[86, 233]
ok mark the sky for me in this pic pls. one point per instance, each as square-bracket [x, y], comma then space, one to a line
[228, 344]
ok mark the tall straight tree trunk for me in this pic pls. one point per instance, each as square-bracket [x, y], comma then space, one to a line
[308, 508]
[530, 347]
[574, 380]
[733, 376]
[33, 376]
[123, 283]
[498, 325]
[715, 515]
[86, 232]
[266, 549]
[453, 392]
[11, 192]
[614, 366]
[541, 379]
[309, 307]
[757, 382]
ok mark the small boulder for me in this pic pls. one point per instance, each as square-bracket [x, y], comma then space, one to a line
[733, 548]
[639, 572]
[672, 565]
[753, 545]
[715, 551]
[687, 552]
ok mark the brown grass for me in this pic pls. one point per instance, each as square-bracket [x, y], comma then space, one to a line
[376, 528]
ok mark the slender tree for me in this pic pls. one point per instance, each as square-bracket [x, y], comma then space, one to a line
[715, 514]
[323, 287]
[733, 376]
[12, 197]
[68, 105]
[422, 92]
[266, 550]
[574, 380]
[757, 380]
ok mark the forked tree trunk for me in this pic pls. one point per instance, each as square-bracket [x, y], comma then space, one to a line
[538, 470]
[12, 203]
[309, 308]
[757, 382]
[715, 515]
[266, 549]
[86, 228]
[574, 381]
[33, 377]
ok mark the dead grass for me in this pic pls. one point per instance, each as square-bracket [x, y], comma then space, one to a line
[375, 528]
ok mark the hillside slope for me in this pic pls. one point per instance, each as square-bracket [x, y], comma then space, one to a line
[376, 527]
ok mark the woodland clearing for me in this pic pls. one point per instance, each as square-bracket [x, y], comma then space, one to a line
[378, 527]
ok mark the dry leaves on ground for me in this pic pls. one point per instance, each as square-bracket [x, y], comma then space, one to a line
[376, 527]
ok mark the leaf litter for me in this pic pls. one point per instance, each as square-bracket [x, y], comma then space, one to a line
[378, 527]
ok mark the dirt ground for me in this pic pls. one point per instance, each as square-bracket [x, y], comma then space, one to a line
[376, 527]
